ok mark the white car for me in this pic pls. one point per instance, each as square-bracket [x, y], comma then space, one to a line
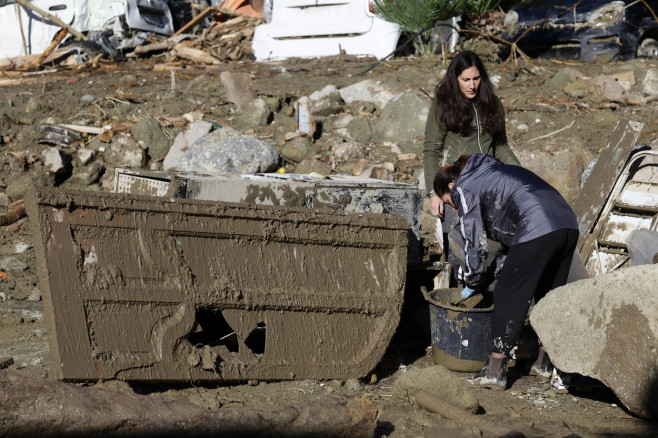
[85, 16]
[315, 28]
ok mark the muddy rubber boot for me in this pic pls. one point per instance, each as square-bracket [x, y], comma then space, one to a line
[494, 374]
[542, 366]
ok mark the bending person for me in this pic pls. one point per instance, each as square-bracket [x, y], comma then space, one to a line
[536, 228]
[466, 117]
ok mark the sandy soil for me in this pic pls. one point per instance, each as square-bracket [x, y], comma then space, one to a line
[529, 405]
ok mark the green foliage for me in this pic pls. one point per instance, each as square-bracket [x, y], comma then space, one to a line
[418, 16]
[479, 7]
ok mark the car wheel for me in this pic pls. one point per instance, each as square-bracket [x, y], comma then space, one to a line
[648, 48]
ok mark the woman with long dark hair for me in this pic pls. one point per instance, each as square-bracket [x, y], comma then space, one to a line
[466, 117]
[538, 232]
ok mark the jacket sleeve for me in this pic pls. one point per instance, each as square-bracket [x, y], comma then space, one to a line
[474, 235]
[435, 135]
[502, 150]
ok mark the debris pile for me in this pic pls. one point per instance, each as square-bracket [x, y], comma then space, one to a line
[221, 42]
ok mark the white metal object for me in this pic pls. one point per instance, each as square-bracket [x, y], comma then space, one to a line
[316, 28]
[304, 123]
[83, 15]
[632, 205]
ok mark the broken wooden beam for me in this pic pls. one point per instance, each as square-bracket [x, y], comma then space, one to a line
[195, 55]
[13, 215]
[196, 20]
[58, 39]
[432, 403]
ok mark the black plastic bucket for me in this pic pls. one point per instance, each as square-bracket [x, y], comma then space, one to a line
[461, 337]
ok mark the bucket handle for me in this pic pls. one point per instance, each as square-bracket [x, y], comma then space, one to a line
[431, 300]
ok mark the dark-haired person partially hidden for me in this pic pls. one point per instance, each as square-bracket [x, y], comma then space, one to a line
[466, 117]
[536, 228]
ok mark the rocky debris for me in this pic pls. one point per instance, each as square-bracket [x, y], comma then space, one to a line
[605, 328]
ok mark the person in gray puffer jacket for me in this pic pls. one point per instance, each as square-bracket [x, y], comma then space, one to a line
[538, 232]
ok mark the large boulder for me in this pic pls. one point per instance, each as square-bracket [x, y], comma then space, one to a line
[228, 151]
[606, 328]
[403, 121]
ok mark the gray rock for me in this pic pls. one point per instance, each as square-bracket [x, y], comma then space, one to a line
[124, 152]
[380, 172]
[86, 175]
[33, 105]
[352, 385]
[228, 151]
[55, 161]
[12, 264]
[367, 91]
[309, 165]
[403, 121]
[298, 148]
[274, 103]
[325, 102]
[566, 75]
[337, 121]
[87, 98]
[577, 88]
[610, 89]
[148, 131]
[606, 328]
[650, 82]
[239, 88]
[84, 156]
[360, 129]
[35, 295]
[643, 247]
[346, 150]
[253, 115]
[183, 141]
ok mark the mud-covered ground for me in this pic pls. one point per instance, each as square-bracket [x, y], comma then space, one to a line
[127, 91]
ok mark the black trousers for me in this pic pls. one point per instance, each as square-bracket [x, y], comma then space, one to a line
[531, 269]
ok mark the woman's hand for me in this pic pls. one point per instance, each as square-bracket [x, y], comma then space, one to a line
[436, 206]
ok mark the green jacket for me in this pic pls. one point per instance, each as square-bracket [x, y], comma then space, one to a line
[443, 147]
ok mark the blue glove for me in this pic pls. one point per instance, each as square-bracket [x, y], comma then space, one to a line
[467, 292]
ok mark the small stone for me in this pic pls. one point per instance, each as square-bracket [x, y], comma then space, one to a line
[359, 167]
[87, 98]
[35, 295]
[352, 385]
[84, 156]
[253, 382]
[5, 362]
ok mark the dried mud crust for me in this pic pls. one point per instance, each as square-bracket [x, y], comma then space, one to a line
[132, 89]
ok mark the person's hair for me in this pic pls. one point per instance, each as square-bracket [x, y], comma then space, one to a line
[456, 112]
[449, 174]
